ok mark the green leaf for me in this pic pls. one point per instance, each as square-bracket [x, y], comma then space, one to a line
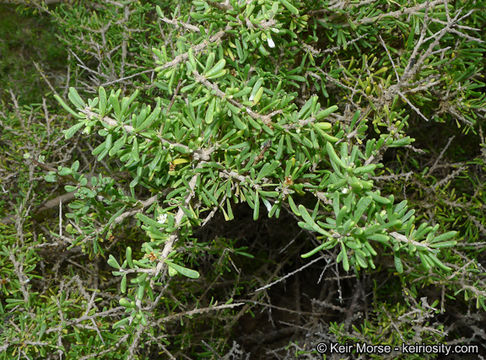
[443, 244]
[159, 11]
[125, 302]
[398, 263]
[216, 70]
[335, 160]
[293, 207]
[256, 88]
[123, 285]
[209, 61]
[120, 323]
[193, 274]
[118, 145]
[364, 169]
[135, 152]
[401, 142]
[69, 133]
[113, 100]
[112, 262]
[256, 208]
[307, 108]
[150, 119]
[103, 102]
[128, 255]
[50, 177]
[340, 215]
[192, 60]
[229, 209]
[210, 112]
[324, 246]
[140, 291]
[378, 198]
[97, 150]
[305, 215]
[146, 220]
[446, 236]
[75, 166]
[267, 169]
[324, 113]
[437, 262]
[290, 7]
[310, 221]
[361, 207]
[361, 260]
[76, 99]
[258, 96]
[345, 257]
[324, 126]
[382, 238]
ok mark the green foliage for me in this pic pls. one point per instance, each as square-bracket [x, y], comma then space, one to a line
[287, 107]
[23, 56]
[378, 330]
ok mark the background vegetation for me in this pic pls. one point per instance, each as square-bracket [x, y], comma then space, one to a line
[240, 179]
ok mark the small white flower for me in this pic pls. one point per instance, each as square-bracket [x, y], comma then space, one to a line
[345, 190]
[270, 42]
[162, 218]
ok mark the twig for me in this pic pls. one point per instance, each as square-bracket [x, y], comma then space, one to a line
[177, 221]
[431, 170]
[287, 275]
[198, 311]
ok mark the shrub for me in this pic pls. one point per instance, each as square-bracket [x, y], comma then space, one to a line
[298, 110]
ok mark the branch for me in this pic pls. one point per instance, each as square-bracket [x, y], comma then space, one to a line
[197, 311]
[178, 219]
[266, 119]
